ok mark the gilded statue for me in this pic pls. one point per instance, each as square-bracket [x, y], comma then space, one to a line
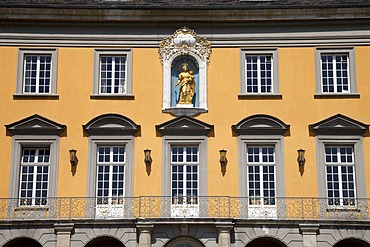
[187, 85]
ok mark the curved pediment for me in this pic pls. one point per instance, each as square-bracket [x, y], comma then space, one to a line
[111, 124]
[184, 126]
[339, 125]
[260, 125]
[35, 125]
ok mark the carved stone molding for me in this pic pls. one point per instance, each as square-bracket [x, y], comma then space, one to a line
[184, 41]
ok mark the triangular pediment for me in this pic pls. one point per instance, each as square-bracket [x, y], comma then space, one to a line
[35, 125]
[111, 124]
[260, 125]
[339, 125]
[184, 126]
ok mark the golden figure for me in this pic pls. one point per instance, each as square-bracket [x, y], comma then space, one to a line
[187, 85]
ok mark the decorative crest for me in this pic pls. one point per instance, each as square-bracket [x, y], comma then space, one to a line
[184, 41]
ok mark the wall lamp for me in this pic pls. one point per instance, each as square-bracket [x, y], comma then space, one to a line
[301, 158]
[73, 157]
[223, 160]
[147, 157]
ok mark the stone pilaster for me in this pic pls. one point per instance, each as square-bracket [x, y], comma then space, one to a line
[63, 232]
[309, 233]
[224, 234]
[145, 238]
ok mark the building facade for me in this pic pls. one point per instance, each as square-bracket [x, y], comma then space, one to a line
[184, 124]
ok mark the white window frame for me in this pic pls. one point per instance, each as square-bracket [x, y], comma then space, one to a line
[274, 71]
[351, 66]
[20, 142]
[97, 72]
[340, 164]
[21, 71]
[112, 209]
[323, 141]
[34, 200]
[190, 210]
[276, 141]
[261, 164]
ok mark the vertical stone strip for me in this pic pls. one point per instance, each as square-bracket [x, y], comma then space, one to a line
[224, 237]
[145, 238]
[309, 233]
[63, 232]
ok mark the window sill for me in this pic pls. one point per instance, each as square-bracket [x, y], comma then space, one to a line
[112, 96]
[31, 208]
[259, 96]
[343, 209]
[337, 96]
[36, 96]
[189, 112]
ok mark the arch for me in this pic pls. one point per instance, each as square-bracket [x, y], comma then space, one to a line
[260, 124]
[353, 242]
[105, 241]
[111, 124]
[184, 242]
[23, 241]
[266, 242]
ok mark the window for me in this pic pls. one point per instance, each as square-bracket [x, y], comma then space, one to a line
[336, 71]
[261, 175]
[112, 73]
[340, 175]
[340, 162]
[260, 72]
[111, 165]
[261, 162]
[110, 174]
[184, 168]
[37, 71]
[184, 174]
[34, 176]
[34, 167]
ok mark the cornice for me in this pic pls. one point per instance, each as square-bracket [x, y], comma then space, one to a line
[174, 15]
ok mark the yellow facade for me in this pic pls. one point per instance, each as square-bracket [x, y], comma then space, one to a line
[297, 107]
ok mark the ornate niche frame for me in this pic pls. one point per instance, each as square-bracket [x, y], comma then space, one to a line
[184, 45]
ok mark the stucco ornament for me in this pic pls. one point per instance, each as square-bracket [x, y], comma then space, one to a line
[185, 42]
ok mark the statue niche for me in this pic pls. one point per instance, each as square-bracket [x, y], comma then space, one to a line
[185, 57]
[185, 78]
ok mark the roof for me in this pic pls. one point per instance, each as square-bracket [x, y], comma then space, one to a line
[186, 4]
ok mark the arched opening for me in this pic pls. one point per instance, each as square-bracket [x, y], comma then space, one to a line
[352, 242]
[266, 242]
[184, 242]
[21, 242]
[105, 242]
[177, 87]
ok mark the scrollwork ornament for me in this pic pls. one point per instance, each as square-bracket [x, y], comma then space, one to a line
[184, 41]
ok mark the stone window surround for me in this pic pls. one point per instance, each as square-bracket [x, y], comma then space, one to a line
[356, 143]
[168, 142]
[54, 70]
[94, 142]
[34, 141]
[352, 70]
[254, 140]
[112, 52]
[275, 71]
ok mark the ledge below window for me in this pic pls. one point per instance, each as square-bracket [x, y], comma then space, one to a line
[337, 96]
[36, 96]
[189, 112]
[343, 210]
[31, 208]
[259, 96]
[112, 96]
